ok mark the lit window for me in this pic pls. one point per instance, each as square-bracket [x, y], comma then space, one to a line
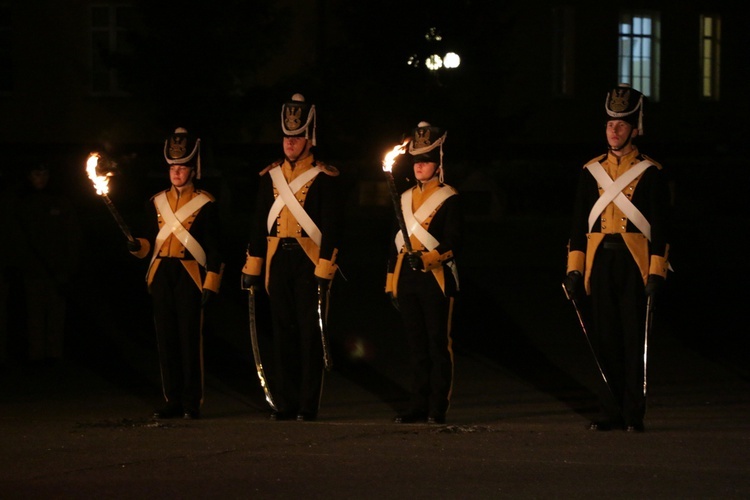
[710, 56]
[639, 47]
[109, 29]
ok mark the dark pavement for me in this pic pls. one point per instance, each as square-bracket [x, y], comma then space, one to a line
[516, 429]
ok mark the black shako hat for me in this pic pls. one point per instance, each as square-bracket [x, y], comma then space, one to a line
[181, 148]
[626, 104]
[298, 118]
[427, 145]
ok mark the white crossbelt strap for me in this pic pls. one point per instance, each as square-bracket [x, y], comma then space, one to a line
[173, 225]
[286, 197]
[613, 193]
[414, 221]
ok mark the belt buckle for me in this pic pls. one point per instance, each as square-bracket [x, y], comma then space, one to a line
[289, 243]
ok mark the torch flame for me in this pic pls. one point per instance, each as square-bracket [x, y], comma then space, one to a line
[101, 182]
[390, 158]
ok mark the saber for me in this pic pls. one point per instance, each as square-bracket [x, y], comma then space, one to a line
[256, 349]
[388, 162]
[323, 300]
[101, 184]
[591, 347]
[649, 321]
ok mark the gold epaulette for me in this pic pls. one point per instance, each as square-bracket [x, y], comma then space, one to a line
[326, 168]
[272, 165]
[210, 196]
[654, 162]
[594, 160]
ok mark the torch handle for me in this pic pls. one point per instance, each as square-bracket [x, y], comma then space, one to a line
[118, 218]
[396, 199]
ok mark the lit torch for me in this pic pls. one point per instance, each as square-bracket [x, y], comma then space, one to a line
[388, 162]
[101, 184]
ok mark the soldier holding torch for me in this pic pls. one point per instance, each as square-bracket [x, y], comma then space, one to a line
[183, 276]
[422, 278]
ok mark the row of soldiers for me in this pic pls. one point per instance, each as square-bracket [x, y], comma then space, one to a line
[618, 257]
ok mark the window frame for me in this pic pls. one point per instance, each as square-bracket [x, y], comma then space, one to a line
[639, 51]
[710, 57]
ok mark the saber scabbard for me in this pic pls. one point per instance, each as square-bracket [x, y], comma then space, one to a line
[649, 321]
[323, 300]
[256, 349]
[591, 347]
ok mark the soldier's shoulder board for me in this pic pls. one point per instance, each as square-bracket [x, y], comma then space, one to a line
[326, 168]
[269, 167]
[210, 196]
[652, 161]
[594, 160]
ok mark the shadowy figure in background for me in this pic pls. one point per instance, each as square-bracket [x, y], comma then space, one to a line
[184, 274]
[423, 283]
[47, 243]
[618, 256]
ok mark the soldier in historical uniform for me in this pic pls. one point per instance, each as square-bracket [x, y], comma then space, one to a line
[618, 256]
[184, 274]
[423, 283]
[292, 253]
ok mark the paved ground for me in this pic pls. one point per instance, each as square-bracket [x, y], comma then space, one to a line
[516, 429]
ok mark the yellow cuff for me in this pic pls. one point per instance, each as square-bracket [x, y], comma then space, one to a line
[325, 269]
[253, 265]
[212, 282]
[389, 283]
[659, 265]
[576, 261]
[144, 250]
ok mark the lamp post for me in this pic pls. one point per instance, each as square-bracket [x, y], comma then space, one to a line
[435, 56]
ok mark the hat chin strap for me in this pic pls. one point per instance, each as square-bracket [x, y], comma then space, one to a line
[620, 148]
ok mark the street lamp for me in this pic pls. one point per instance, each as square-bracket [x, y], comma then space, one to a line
[437, 59]
[451, 60]
[434, 62]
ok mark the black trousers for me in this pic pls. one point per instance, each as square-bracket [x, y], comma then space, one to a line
[618, 306]
[297, 345]
[178, 318]
[427, 317]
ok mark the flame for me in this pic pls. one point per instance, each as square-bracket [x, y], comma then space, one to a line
[390, 158]
[101, 182]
